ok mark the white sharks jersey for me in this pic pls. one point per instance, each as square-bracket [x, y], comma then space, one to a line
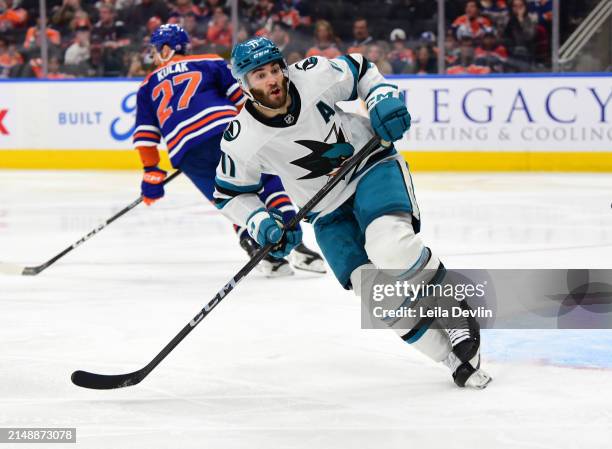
[305, 146]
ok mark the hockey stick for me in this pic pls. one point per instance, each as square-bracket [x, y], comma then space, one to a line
[9, 268]
[107, 382]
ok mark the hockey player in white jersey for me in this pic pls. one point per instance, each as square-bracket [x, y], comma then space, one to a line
[292, 127]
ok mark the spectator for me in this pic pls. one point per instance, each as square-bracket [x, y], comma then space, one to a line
[79, 51]
[260, 14]
[451, 48]
[294, 56]
[471, 24]
[121, 6]
[63, 15]
[280, 36]
[220, 30]
[428, 38]
[32, 44]
[181, 8]
[325, 42]
[283, 40]
[294, 13]
[54, 69]
[491, 54]
[465, 63]
[153, 23]
[497, 11]
[10, 59]
[243, 33]
[136, 69]
[208, 9]
[139, 13]
[520, 36]
[361, 36]
[195, 31]
[80, 20]
[541, 12]
[401, 57]
[425, 61]
[109, 31]
[376, 53]
[95, 65]
[111, 36]
[11, 16]
[32, 37]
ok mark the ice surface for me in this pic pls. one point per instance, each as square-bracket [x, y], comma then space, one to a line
[283, 363]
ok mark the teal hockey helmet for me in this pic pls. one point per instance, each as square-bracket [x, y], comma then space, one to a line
[253, 53]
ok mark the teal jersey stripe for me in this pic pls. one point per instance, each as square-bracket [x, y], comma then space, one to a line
[223, 169]
[220, 204]
[238, 189]
[232, 167]
[355, 72]
[417, 335]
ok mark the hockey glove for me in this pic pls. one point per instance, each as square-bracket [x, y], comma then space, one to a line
[266, 226]
[152, 187]
[291, 239]
[389, 117]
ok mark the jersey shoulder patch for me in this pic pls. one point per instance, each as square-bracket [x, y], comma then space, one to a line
[240, 138]
[232, 131]
[307, 64]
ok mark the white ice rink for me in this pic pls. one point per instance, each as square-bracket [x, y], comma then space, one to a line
[283, 363]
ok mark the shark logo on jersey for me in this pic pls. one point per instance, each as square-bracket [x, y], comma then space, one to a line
[325, 157]
[232, 131]
[307, 63]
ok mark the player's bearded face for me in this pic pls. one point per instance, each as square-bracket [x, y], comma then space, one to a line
[268, 86]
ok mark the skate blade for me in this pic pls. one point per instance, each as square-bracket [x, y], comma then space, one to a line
[479, 380]
[317, 266]
[301, 263]
[270, 271]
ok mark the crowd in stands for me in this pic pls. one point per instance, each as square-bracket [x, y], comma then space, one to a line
[109, 38]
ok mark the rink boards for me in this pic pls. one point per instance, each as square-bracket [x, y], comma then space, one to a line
[496, 123]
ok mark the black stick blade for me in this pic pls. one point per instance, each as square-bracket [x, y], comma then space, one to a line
[105, 382]
[31, 271]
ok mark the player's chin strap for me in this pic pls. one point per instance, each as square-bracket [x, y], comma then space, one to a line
[170, 56]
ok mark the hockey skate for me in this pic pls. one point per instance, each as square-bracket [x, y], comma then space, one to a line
[306, 259]
[270, 266]
[464, 360]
